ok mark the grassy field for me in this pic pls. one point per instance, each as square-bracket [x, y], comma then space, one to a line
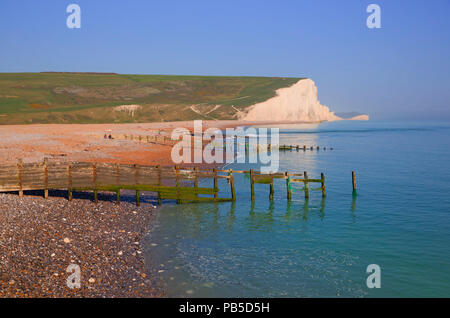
[92, 97]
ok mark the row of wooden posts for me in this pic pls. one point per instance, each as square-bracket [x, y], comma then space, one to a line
[304, 148]
[149, 138]
[114, 178]
[167, 140]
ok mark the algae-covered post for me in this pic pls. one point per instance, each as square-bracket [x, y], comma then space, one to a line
[19, 175]
[354, 182]
[233, 192]
[252, 185]
[159, 183]
[306, 185]
[271, 190]
[45, 178]
[94, 182]
[138, 193]
[215, 183]
[196, 181]
[177, 174]
[322, 178]
[69, 185]
[288, 186]
[117, 181]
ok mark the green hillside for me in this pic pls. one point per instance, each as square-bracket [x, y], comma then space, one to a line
[92, 97]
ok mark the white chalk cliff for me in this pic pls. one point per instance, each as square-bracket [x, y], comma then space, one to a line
[298, 102]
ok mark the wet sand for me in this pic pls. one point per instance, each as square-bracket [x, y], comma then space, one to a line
[78, 142]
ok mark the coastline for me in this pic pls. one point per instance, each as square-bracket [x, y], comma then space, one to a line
[85, 142]
[104, 239]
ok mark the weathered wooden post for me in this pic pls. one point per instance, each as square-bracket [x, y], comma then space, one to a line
[252, 185]
[19, 175]
[69, 183]
[354, 182]
[305, 180]
[159, 183]
[304, 147]
[298, 147]
[196, 181]
[147, 139]
[94, 182]
[288, 186]
[271, 190]
[140, 138]
[216, 186]
[177, 174]
[117, 183]
[233, 193]
[45, 178]
[322, 178]
[312, 148]
[136, 181]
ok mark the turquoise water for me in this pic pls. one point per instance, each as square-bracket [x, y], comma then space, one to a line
[400, 220]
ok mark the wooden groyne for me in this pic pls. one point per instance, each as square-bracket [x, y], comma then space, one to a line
[164, 140]
[304, 148]
[181, 184]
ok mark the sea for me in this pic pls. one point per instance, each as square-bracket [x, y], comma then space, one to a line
[398, 220]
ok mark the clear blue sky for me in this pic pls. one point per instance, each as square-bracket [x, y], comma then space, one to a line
[400, 70]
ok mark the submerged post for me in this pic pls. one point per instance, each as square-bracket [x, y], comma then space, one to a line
[354, 182]
[19, 175]
[322, 178]
[45, 178]
[271, 190]
[306, 184]
[69, 183]
[94, 182]
[252, 185]
[288, 186]
[233, 193]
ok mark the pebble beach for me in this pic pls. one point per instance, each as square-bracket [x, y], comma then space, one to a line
[40, 238]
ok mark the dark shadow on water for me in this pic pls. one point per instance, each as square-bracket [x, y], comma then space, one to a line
[125, 195]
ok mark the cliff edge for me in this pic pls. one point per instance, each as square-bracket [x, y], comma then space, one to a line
[298, 102]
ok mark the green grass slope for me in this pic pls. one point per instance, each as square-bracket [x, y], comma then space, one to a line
[92, 97]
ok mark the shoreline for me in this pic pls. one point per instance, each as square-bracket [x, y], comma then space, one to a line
[85, 142]
[105, 239]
